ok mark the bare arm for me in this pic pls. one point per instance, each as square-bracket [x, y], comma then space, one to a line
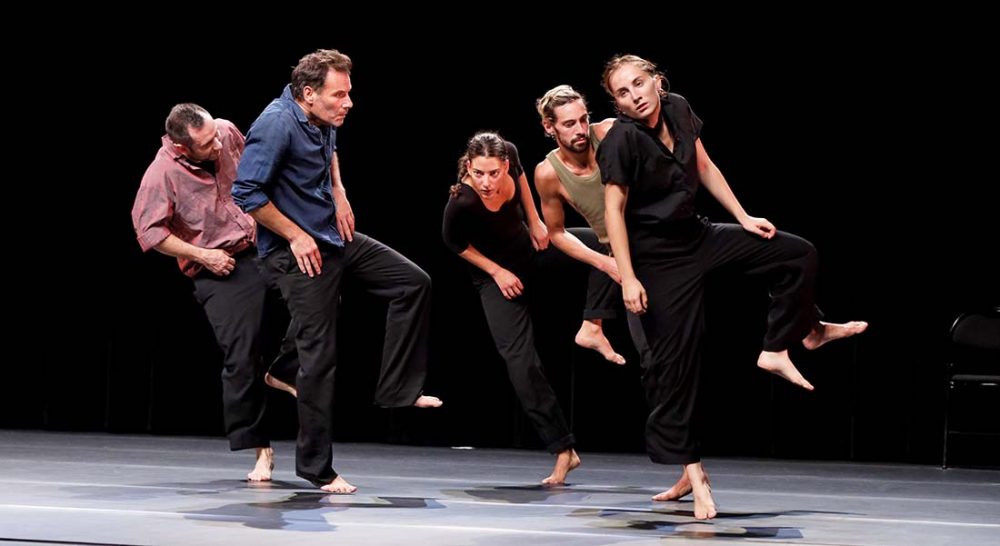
[217, 261]
[615, 197]
[510, 285]
[539, 235]
[345, 215]
[302, 244]
[547, 184]
[716, 184]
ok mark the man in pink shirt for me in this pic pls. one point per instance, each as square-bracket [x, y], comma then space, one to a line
[184, 209]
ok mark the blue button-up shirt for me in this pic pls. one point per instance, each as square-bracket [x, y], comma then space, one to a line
[287, 161]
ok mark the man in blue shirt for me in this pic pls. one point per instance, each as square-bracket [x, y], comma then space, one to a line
[289, 181]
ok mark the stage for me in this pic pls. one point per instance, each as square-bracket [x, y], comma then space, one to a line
[67, 488]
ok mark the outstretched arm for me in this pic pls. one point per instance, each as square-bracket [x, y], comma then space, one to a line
[716, 184]
[615, 197]
[539, 235]
[547, 184]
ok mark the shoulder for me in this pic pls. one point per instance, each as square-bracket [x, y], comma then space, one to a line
[545, 175]
[602, 127]
[228, 128]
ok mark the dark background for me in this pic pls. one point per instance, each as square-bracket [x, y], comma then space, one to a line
[879, 149]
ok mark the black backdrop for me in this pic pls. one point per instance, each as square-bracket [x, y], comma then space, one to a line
[873, 148]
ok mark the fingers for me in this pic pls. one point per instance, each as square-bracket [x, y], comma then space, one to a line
[644, 300]
[311, 264]
[345, 224]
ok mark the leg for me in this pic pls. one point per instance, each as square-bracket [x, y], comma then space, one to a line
[673, 326]
[312, 303]
[789, 263]
[234, 306]
[388, 274]
[603, 301]
[510, 324]
[281, 374]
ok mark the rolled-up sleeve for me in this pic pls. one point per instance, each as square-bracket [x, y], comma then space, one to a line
[153, 209]
[266, 144]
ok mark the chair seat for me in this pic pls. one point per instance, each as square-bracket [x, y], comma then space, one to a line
[973, 378]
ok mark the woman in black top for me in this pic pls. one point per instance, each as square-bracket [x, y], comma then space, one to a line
[484, 223]
[652, 161]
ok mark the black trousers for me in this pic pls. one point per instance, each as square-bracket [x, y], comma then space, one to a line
[236, 306]
[513, 334]
[673, 276]
[312, 303]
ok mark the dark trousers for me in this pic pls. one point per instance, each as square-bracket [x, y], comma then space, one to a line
[312, 303]
[511, 327]
[235, 306]
[674, 276]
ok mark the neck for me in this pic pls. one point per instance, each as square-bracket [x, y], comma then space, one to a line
[313, 120]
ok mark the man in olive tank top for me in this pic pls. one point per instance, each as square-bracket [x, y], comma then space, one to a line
[570, 175]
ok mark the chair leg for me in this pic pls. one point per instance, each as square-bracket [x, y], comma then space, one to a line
[947, 410]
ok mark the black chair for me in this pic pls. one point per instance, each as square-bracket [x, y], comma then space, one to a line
[974, 363]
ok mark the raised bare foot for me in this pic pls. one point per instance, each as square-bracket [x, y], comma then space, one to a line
[677, 491]
[339, 486]
[276, 383]
[704, 504]
[265, 464]
[424, 401]
[779, 364]
[565, 462]
[828, 331]
[591, 336]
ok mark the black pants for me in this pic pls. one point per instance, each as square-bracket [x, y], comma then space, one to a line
[673, 276]
[511, 327]
[236, 307]
[312, 303]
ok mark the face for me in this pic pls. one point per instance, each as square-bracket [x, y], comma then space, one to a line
[329, 104]
[206, 143]
[636, 92]
[486, 174]
[571, 127]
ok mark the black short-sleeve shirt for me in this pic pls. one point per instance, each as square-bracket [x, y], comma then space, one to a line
[662, 184]
[501, 236]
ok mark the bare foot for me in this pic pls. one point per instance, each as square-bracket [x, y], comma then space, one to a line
[276, 383]
[566, 461]
[828, 331]
[339, 486]
[779, 364]
[265, 464]
[591, 336]
[704, 504]
[424, 401]
[677, 491]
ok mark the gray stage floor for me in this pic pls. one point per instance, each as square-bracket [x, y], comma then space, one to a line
[105, 489]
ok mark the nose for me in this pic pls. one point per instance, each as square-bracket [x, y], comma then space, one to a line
[217, 144]
[348, 103]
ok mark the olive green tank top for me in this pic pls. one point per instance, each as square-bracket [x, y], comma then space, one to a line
[586, 192]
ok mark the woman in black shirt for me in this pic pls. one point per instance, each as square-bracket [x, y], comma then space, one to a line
[652, 161]
[484, 223]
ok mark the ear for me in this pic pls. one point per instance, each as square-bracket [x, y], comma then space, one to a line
[547, 125]
[182, 149]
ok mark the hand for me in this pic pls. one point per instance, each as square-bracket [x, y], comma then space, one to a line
[510, 285]
[635, 296]
[345, 215]
[758, 226]
[307, 255]
[610, 266]
[218, 261]
[539, 235]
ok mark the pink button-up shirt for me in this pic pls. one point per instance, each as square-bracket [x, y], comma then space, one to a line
[179, 198]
